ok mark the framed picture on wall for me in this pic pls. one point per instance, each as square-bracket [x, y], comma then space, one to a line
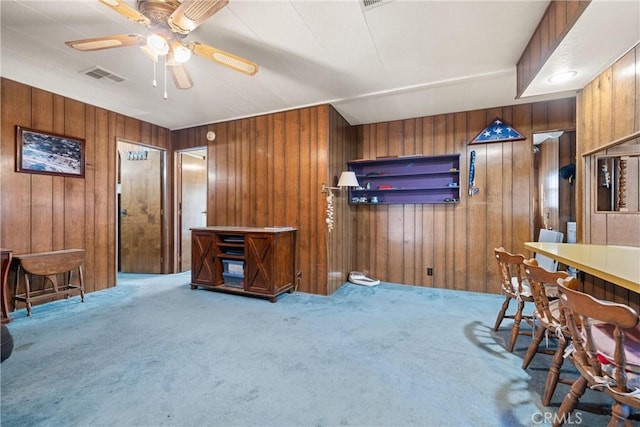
[48, 153]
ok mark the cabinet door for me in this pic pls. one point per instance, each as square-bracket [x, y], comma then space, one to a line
[202, 258]
[259, 274]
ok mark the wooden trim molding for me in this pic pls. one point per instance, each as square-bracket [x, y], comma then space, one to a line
[612, 144]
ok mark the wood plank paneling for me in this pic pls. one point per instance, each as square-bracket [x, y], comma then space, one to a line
[608, 109]
[89, 195]
[457, 241]
[42, 212]
[268, 170]
[42, 189]
[623, 95]
[341, 241]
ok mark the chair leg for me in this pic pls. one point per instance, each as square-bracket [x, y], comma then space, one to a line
[515, 330]
[501, 314]
[619, 414]
[533, 347]
[554, 372]
[570, 401]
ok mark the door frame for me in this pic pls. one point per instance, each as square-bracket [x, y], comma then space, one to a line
[164, 219]
[177, 199]
[536, 223]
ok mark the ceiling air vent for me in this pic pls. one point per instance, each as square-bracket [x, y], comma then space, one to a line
[370, 4]
[100, 73]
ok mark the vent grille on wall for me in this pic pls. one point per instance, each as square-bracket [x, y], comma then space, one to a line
[100, 73]
[370, 4]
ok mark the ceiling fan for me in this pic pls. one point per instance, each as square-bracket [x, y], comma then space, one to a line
[170, 21]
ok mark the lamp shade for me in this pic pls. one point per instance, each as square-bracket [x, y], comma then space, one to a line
[348, 179]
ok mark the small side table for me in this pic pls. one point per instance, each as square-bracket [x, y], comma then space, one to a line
[4, 273]
[50, 265]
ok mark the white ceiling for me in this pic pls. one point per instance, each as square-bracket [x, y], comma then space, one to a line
[398, 60]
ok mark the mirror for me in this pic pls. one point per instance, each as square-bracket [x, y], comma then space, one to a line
[618, 183]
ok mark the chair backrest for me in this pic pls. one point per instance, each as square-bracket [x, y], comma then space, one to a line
[551, 236]
[543, 284]
[592, 322]
[511, 268]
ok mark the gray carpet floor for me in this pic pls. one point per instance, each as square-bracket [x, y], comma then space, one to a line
[153, 352]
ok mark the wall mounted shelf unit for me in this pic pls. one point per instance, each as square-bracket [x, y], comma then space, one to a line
[406, 180]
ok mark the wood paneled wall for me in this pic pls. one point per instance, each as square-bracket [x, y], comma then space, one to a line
[43, 212]
[268, 171]
[342, 148]
[608, 110]
[397, 243]
[556, 22]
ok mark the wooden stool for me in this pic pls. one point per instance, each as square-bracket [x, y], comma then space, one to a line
[51, 265]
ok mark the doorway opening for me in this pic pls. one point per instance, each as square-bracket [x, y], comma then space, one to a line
[191, 201]
[139, 208]
[554, 193]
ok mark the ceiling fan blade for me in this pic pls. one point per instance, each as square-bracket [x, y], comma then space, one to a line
[192, 13]
[232, 61]
[181, 76]
[107, 42]
[127, 11]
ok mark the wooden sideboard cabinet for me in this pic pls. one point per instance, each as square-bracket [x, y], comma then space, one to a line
[256, 261]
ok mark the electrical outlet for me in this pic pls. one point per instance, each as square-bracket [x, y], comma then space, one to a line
[429, 271]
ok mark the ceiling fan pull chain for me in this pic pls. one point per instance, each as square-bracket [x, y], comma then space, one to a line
[165, 77]
[155, 84]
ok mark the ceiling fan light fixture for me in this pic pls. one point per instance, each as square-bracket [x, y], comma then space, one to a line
[158, 44]
[181, 54]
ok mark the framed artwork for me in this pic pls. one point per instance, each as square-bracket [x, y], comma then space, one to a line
[48, 153]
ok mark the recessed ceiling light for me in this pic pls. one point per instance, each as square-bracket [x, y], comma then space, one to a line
[562, 77]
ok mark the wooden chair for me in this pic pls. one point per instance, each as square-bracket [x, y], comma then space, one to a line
[606, 341]
[514, 287]
[551, 323]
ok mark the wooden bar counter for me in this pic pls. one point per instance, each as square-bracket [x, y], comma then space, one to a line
[619, 265]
